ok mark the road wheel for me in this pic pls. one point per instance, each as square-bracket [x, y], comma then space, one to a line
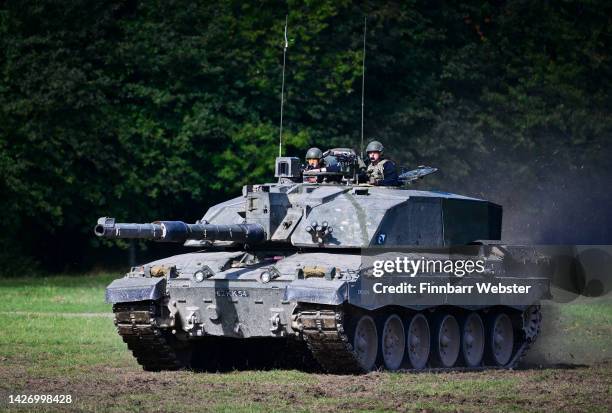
[500, 337]
[472, 340]
[365, 342]
[417, 342]
[446, 341]
[393, 342]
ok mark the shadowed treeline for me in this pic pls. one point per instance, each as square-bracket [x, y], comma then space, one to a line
[147, 110]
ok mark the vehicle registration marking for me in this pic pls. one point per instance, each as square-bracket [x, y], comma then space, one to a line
[231, 293]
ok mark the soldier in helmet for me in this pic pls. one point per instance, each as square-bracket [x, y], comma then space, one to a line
[380, 171]
[316, 163]
[313, 159]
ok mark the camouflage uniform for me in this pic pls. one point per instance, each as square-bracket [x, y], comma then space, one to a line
[383, 173]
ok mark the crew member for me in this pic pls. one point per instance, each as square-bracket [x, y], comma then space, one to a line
[380, 171]
[316, 163]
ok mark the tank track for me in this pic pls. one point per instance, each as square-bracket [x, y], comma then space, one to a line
[157, 349]
[323, 330]
[154, 348]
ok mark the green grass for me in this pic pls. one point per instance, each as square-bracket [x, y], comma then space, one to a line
[596, 312]
[51, 343]
[65, 294]
[577, 332]
[61, 344]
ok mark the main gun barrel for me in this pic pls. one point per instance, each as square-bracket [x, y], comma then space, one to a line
[178, 231]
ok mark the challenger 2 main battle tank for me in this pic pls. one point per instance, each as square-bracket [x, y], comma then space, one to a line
[289, 275]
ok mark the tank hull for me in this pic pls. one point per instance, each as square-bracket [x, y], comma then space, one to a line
[314, 309]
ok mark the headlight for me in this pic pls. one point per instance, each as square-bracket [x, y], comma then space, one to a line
[203, 273]
[199, 276]
[268, 275]
[265, 277]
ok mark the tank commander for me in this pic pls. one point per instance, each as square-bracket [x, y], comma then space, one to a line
[380, 171]
[316, 163]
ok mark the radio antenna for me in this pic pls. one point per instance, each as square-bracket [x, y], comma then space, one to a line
[280, 133]
[365, 27]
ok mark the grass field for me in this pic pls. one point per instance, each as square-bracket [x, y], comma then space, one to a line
[57, 338]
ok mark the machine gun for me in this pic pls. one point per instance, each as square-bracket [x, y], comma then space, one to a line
[178, 231]
[346, 158]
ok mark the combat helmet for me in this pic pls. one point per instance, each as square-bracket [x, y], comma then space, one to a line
[375, 146]
[314, 153]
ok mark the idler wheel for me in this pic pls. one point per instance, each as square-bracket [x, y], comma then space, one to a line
[393, 342]
[417, 341]
[446, 341]
[472, 340]
[365, 342]
[500, 337]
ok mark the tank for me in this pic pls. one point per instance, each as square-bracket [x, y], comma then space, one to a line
[285, 276]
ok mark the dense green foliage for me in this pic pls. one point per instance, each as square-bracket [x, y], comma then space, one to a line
[142, 110]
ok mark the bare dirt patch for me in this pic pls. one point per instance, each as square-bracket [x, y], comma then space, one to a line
[119, 389]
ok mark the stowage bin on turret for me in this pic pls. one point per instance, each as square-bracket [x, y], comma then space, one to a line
[283, 276]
